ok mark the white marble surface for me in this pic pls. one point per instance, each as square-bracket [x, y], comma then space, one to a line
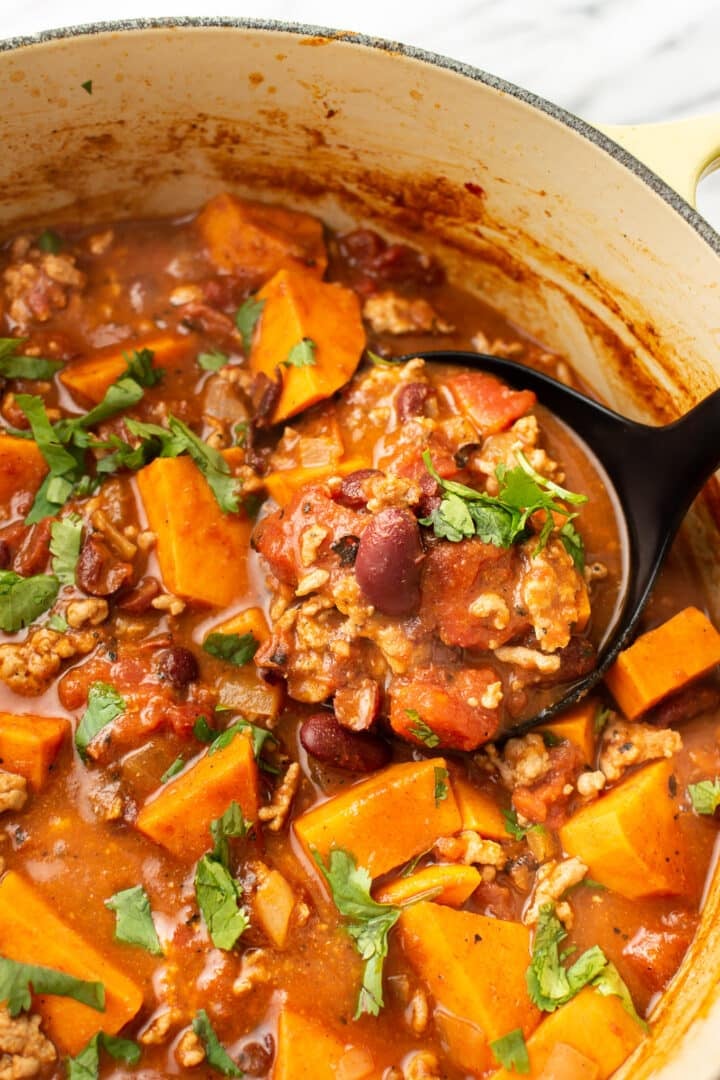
[617, 61]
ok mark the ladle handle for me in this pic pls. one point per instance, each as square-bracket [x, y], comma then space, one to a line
[689, 449]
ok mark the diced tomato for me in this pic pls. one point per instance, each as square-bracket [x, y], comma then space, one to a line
[490, 404]
[441, 708]
[547, 800]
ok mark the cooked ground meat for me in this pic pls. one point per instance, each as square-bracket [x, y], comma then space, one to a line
[13, 791]
[552, 880]
[625, 744]
[24, 1050]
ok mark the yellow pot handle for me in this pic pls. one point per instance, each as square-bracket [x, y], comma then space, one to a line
[680, 151]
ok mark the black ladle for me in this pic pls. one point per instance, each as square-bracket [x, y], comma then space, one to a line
[656, 473]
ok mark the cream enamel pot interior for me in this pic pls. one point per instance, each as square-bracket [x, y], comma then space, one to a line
[563, 230]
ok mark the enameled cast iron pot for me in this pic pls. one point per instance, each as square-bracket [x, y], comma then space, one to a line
[561, 228]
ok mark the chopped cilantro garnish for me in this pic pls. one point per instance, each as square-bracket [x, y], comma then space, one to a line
[213, 360]
[87, 86]
[515, 829]
[14, 365]
[217, 892]
[104, 705]
[705, 796]
[421, 730]
[86, 1065]
[302, 354]
[246, 319]
[217, 1056]
[237, 649]
[23, 599]
[49, 242]
[551, 739]
[441, 784]
[16, 980]
[202, 730]
[551, 985]
[172, 770]
[65, 540]
[382, 361]
[511, 1052]
[230, 824]
[133, 919]
[57, 623]
[503, 519]
[602, 715]
[140, 368]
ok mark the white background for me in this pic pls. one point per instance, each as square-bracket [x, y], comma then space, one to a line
[617, 61]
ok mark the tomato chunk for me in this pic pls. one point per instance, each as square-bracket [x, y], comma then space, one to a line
[439, 707]
[490, 404]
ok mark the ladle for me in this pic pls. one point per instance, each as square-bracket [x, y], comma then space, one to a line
[656, 473]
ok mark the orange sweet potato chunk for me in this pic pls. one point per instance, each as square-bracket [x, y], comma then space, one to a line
[32, 932]
[307, 1049]
[630, 838]
[255, 240]
[385, 820]
[179, 816]
[474, 967]
[29, 745]
[202, 552]
[88, 379]
[22, 469]
[283, 484]
[454, 884]
[577, 725]
[298, 306]
[595, 1026]
[479, 810]
[663, 661]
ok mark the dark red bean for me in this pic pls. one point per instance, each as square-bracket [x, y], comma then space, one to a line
[179, 666]
[256, 1058]
[352, 489]
[326, 740]
[265, 396]
[369, 254]
[410, 400]
[98, 573]
[5, 555]
[140, 599]
[34, 552]
[388, 562]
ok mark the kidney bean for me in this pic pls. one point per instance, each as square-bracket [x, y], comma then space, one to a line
[410, 400]
[265, 396]
[140, 599]
[370, 254]
[179, 666]
[5, 555]
[351, 493]
[33, 553]
[323, 737]
[97, 572]
[388, 562]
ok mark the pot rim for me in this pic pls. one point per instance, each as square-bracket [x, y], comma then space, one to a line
[693, 218]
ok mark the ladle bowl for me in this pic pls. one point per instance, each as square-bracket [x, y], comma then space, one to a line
[656, 472]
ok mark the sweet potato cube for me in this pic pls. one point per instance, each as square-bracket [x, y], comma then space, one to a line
[577, 725]
[179, 816]
[32, 932]
[475, 968]
[663, 661]
[455, 884]
[29, 745]
[256, 240]
[298, 307]
[250, 621]
[88, 379]
[283, 484]
[202, 551]
[308, 1049]
[385, 820]
[479, 810]
[594, 1026]
[490, 404]
[22, 469]
[630, 837]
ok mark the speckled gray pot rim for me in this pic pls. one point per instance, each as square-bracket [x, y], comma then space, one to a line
[586, 130]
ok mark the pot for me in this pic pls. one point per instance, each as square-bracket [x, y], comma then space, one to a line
[565, 231]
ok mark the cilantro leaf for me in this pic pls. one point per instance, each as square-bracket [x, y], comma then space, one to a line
[246, 319]
[705, 796]
[211, 464]
[237, 649]
[172, 770]
[573, 543]
[13, 365]
[302, 354]
[65, 540]
[602, 715]
[230, 824]
[370, 922]
[511, 1052]
[217, 895]
[572, 497]
[213, 360]
[87, 86]
[86, 1064]
[133, 919]
[609, 982]
[103, 706]
[202, 730]
[259, 735]
[23, 599]
[16, 980]
[140, 368]
[421, 730]
[382, 361]
[56, 622]
[441, 784]
[217, 1055]
[49, 242]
